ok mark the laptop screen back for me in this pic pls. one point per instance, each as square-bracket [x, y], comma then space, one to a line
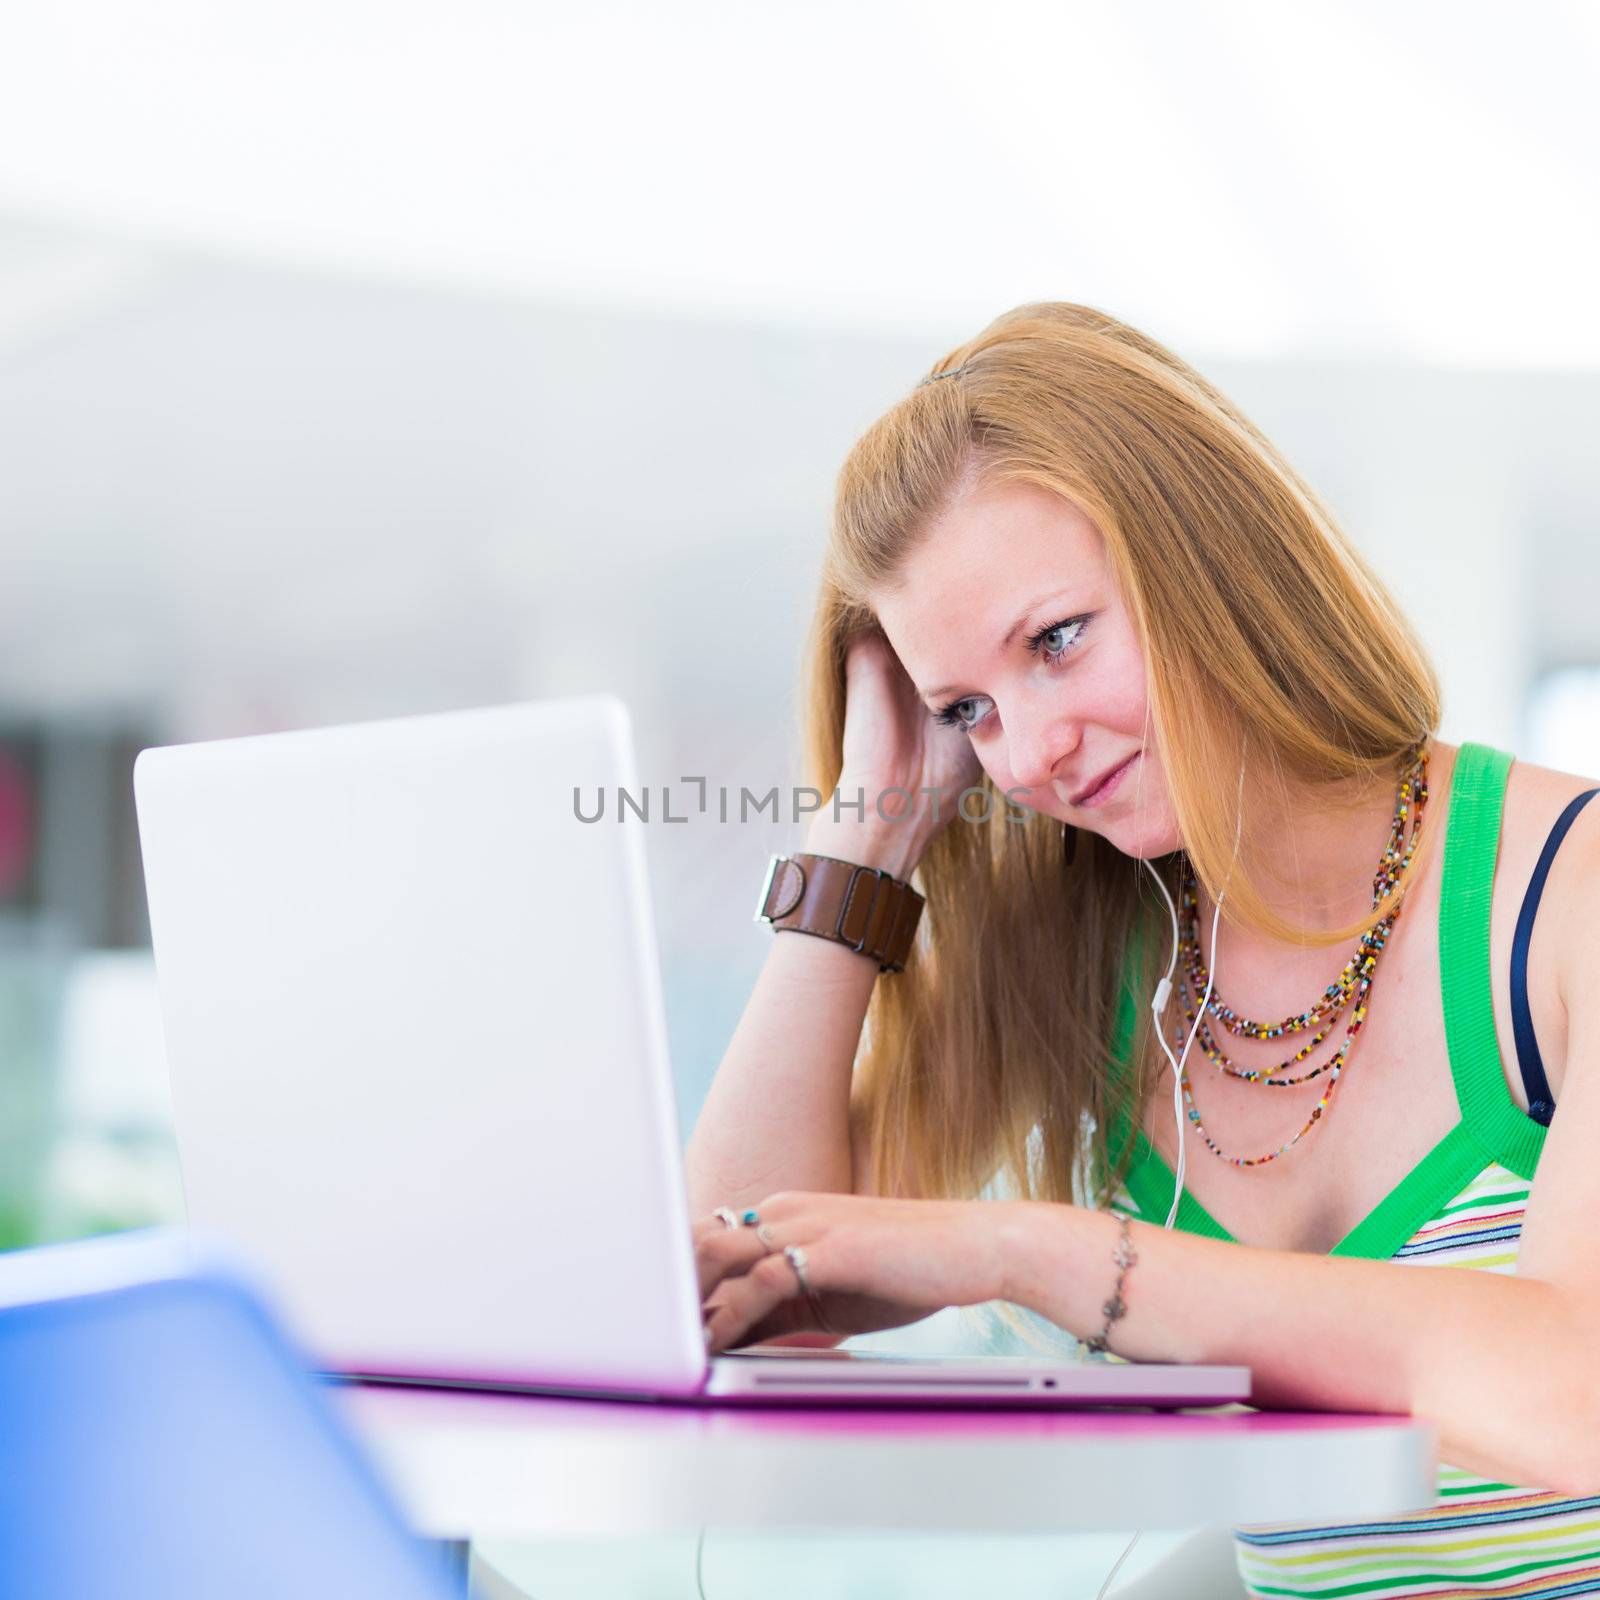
[417, 1042]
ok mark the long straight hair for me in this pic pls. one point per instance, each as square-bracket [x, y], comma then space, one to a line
[1272, 652]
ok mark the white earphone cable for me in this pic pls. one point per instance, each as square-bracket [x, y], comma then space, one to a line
[1116, 1566]
[1158, 1007]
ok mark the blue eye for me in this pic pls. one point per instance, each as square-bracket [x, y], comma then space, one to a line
[948, 717]
[1072, 627]
[1071, 630]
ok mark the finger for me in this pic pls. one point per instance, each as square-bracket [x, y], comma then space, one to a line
[756, 1297]
[724, 1217]
[797, 1322]
[726, 1254]
[707, 1228]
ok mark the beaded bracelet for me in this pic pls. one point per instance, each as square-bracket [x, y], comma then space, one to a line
[1116, 1306]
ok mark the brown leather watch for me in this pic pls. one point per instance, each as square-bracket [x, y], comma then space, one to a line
[861, 907]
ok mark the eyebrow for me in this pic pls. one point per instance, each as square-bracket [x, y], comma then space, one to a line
[1011, 633]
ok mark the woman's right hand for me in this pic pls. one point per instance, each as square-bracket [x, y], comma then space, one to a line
[891, 741]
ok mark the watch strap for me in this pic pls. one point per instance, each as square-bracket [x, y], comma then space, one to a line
[864, 908]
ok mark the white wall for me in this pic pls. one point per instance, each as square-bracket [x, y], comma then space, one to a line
[237, 499]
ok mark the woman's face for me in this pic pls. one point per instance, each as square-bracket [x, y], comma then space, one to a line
[1008, 620]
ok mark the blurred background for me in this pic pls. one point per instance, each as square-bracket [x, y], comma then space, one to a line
[361, 360]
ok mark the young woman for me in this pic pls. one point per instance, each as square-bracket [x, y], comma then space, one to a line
[1069, 578]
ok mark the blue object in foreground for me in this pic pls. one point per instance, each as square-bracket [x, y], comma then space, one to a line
[160, 1441]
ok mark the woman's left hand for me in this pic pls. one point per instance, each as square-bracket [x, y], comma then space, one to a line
[871, 1263]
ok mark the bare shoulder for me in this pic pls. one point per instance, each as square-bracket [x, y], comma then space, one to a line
[1535, 798]
[1568, 930]
[1548, 784]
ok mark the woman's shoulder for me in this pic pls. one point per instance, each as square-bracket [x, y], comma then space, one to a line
[1538, 802]
[1564, 951]
[1551, 780]
[1536, 799]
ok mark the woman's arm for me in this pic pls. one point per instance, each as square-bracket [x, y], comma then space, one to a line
[778, 1113]
[1506, 1367]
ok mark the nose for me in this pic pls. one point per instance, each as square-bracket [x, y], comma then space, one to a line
[1041, 738]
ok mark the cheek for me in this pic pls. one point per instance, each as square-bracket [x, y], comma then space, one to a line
[1118, 697]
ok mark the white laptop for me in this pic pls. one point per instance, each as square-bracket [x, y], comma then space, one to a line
[418, 1051]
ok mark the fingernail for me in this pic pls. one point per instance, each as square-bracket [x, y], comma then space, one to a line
[707, 1332]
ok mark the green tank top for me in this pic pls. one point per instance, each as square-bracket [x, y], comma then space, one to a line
[1460, 1206]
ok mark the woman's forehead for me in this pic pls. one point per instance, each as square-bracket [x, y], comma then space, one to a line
[981, 571]
[1002, 526]
[991, 551]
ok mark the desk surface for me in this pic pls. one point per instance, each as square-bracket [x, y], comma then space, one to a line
[481, 1466]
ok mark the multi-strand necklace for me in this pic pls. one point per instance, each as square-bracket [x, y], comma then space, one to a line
[1348, 992]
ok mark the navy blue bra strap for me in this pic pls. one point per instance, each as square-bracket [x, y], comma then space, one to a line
[1541, 1107]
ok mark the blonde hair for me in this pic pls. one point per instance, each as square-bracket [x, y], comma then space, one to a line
[1269, 646]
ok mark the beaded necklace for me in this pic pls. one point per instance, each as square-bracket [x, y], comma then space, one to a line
[1351, 986]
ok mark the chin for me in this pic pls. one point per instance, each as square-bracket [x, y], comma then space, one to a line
[1142, 838]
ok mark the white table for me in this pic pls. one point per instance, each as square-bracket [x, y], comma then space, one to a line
[477, 1466]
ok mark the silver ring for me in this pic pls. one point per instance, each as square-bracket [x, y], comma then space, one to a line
[764, 1234]
[797, 1259]
[726, 1216]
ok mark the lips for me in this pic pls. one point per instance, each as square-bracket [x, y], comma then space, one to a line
[1103, 784]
